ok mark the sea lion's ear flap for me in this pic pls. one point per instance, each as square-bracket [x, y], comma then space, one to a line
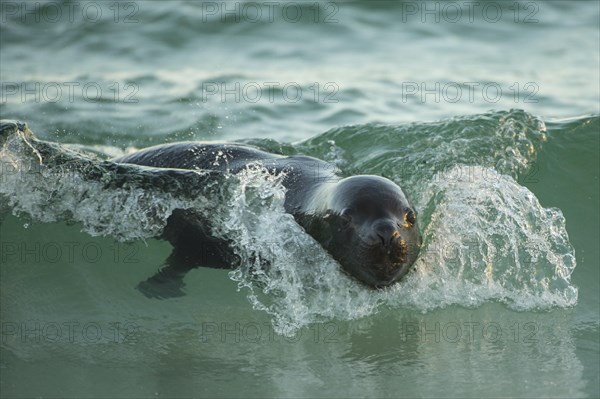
[347, 213]
[410, 217]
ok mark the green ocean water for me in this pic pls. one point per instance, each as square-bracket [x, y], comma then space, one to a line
[487, 114]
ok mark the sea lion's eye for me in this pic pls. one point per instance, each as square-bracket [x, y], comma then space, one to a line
[410, 217]
[346, 214]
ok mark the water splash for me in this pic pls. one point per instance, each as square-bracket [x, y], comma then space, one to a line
[286, 272]
[486, 238]
[49, 183]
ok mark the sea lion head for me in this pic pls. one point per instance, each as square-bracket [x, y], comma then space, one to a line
[373, 229]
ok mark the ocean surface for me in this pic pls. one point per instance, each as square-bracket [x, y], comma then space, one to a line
[486, 113]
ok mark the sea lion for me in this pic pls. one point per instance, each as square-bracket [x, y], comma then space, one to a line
[365, 222]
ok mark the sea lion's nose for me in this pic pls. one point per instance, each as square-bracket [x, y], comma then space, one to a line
[387, 232]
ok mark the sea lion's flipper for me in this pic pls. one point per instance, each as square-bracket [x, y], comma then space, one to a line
[190, 233]
[167, 282]
[193, 246]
